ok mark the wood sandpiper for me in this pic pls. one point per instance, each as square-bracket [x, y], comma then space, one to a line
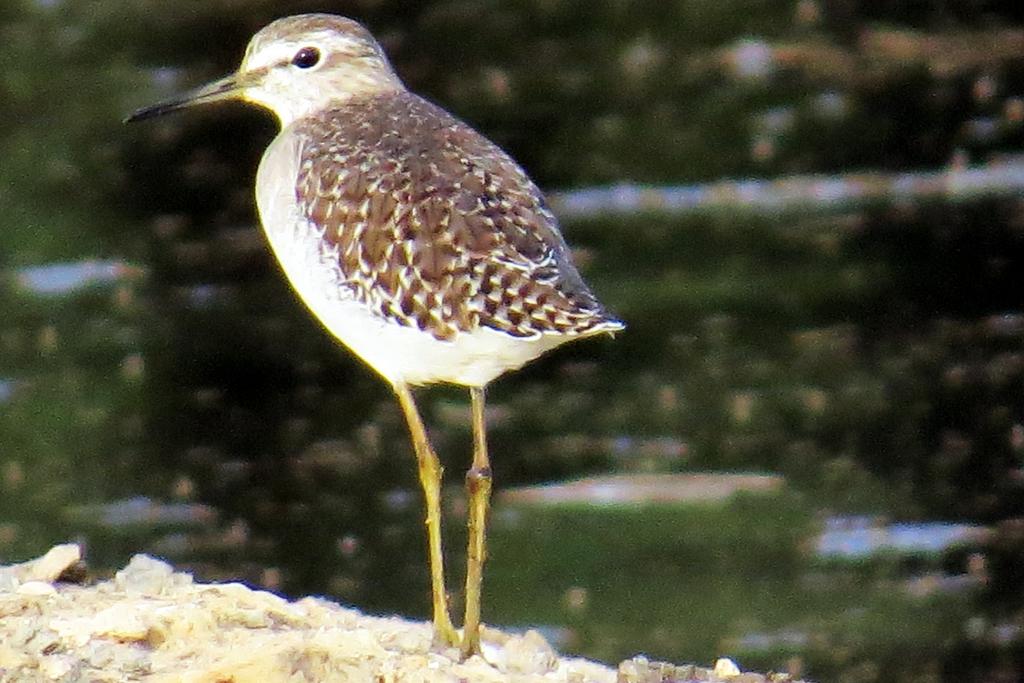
[418, 243]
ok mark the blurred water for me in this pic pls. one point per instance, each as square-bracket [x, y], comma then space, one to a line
[67, 278]
[163, 391]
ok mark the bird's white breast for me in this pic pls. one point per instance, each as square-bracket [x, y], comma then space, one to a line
[400, 353]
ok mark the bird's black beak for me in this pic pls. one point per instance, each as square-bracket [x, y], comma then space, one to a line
[229, 87]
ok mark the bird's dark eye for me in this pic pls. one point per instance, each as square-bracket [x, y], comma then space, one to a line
[306, 58]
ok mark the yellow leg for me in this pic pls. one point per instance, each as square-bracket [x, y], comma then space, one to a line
[430, 478]
[478, 490]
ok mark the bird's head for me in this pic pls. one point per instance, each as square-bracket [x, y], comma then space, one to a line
[295, 66]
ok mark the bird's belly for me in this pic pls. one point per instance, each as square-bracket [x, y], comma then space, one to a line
[402, 354]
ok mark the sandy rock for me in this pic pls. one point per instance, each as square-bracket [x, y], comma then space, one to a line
[36, 588]
[530, 654]
[45, 569]
[726, 668]
[151, 623]
[147, 575]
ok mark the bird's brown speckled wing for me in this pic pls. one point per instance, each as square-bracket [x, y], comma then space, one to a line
[434, 226]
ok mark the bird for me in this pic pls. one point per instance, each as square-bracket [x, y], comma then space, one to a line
[419, 244]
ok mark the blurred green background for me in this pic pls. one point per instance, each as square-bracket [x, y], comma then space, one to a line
[854, 339]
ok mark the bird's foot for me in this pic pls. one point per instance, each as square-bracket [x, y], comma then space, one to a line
[445, 636]
[470, 646]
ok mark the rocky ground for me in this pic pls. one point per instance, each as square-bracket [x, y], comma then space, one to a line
[150, 623]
